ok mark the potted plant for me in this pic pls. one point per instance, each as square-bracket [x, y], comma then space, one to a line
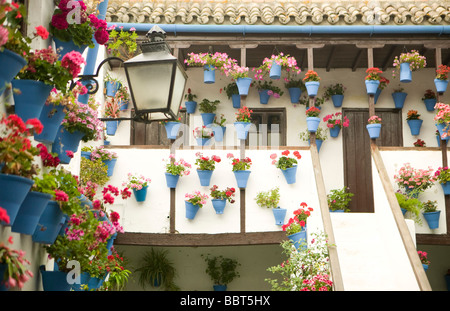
[339, 200]
[374, 126]
[442, 175]
[424, 259]
[112, 85]
[205, 167]
[118, 272]
[305, 270]
[271, 199]
[207, 109]
[122, 97]
[172, 127]
[157, 269]
[203, 135]
[321, 136]
[408, 62]
[222, 271]
[414, 122]
[193, 202]
[399, 97]
[14, 44]
[14, 272]
[17, 158]
[93, 173]
[36, 80]
[441, 80]
[312, 119]
[210, 62]
[122, 43]
[243, 122]
[411, 179]
[240, 75]
[266, 90]
[409, 204]
[112, 111]
[232, 92]
[175, 169]
[241, 169]
[335, 93]
[81, 123]
[190, 102]
[295, 88]
[109, 158]
[442, 119]
[139, 184]
[429, 98]
[35, 202]
[312, 82]
[219, 128]
[219, 198]
[69, 35]
[295, 228]
[431, 214]
[288, 165]
[419, 143]
[274, 66]
[335, 123]
[372, 80]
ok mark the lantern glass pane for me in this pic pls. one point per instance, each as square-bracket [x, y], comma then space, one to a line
[150, 84]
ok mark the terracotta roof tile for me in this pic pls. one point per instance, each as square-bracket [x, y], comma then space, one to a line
[261, 12]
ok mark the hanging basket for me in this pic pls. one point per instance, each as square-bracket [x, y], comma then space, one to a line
[242, 178]
[66, 141]
[10, 63]
[279, 214]
[337, 100]
[243, 85]
[110, 164]
[208, 118]
[264, 97]
[141, 194]
[377, 95]
[334, 131]
[372, 86]
[65, 47]
[312, 87]
[191, 210]
[443, 128]
[54, 280]
[236, 100]
[290, 174]
[414, 126]
[172, 129]
[405, 73]
[318, 143]
[51, 118]
[299, 239]
[28, 104]
[112, 87]
[432, 219]
[49, 224]
[205, 177]
[312, 124]
[209, 74]
[219, 132]
[275, 71]
[294, 94]
[441, 85]
[111, 127]
[374, 130]
[219, 205]
[190, 106]
[13, 191]
[30, 211]
[399, 99]
[430, 103]
[242, 129]
[172, 180]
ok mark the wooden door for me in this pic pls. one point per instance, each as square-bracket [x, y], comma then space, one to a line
[357, 156]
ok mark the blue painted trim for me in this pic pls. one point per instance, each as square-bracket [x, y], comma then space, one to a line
[310, 30]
